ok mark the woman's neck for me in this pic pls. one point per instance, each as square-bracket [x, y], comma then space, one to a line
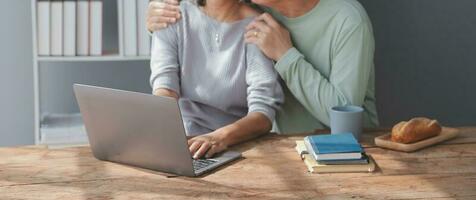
[223, 10]
[295, 8]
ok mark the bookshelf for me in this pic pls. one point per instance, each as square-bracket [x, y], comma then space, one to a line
[64, 126]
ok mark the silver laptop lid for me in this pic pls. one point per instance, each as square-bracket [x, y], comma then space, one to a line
[135, 129]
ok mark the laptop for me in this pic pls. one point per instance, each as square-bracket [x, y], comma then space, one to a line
[140, 130]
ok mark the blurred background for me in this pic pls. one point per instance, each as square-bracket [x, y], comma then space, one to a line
[425, 62]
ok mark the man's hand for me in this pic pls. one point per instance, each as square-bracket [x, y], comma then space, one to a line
[207, 145]
[270, 36]
[162, 13]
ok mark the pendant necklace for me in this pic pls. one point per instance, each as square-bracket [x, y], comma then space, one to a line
[216, 25]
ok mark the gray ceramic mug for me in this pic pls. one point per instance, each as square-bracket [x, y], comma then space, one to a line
[346, 119]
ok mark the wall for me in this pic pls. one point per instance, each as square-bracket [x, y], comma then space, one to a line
[16, 74]
[425, 59]
[425, 64]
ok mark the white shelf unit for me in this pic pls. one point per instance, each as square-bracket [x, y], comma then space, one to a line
[91, 58]
[58, 124]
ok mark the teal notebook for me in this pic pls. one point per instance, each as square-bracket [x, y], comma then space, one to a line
[333, 146]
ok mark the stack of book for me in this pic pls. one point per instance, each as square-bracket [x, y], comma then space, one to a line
[135, 34]
[75, 27]
[70, 27]
[334, 153]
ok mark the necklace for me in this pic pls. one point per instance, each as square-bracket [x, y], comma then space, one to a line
[216, 24]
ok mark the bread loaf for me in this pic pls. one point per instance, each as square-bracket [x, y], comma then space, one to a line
[415, 130]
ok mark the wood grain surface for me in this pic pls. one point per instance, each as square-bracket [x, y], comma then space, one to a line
[270, 169]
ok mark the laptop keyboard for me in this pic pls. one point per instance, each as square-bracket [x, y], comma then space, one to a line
[199, 164]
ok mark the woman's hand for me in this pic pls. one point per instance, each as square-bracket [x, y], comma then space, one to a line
[270, 36]
[162, 13]
[207, 145]
[166, 92]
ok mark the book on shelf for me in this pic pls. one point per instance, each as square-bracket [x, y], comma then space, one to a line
[69, 28]
[130, 27]
[56, 36]
[82, 37]
[43, 35]
[142, 32]
[342, 146]
[95, 25]
[315, 166]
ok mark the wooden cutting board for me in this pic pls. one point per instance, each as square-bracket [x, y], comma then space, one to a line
[385, 142]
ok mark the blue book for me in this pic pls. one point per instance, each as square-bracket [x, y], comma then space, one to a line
[333, 146]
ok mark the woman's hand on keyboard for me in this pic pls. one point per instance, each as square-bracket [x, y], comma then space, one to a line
[207, 145]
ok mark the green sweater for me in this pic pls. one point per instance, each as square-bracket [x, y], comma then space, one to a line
[331, 64]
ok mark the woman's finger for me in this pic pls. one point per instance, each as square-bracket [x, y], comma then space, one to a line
[193, 147]
[202, 150]
[212, 151]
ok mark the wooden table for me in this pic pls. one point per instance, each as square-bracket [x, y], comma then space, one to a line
[270, 169]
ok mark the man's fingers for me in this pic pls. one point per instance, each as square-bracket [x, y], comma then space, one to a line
[172, 2]
[157, 26]
[168, 20]
[252, 33]
[259, 26]
[168, 7]
[252, 40]
[268, 19]
[164, 13]
[160, 12]
[159, 9]
[252, 37]
[202, 150]
[250, 26]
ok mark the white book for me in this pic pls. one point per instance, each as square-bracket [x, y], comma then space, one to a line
[143, 34]
[43, 27]
[130, 27]
[56, 38]
[82, 28]
[69, 28]
[95, 25]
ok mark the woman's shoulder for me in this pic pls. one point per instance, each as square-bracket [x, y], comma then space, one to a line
[188, 5]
